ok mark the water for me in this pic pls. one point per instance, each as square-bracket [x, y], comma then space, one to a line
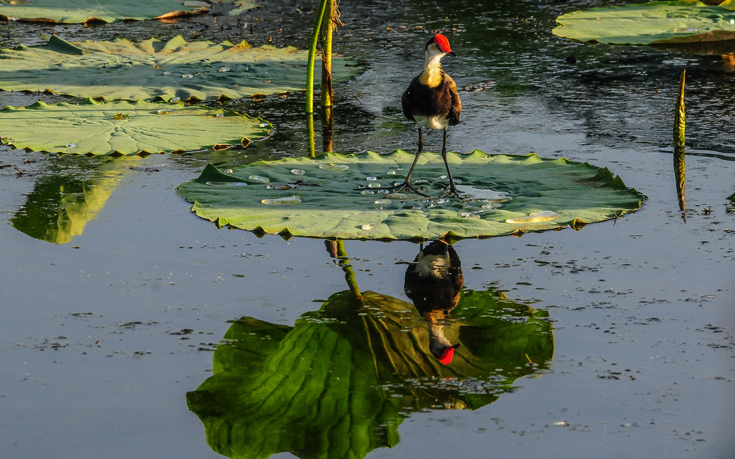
[104, 335]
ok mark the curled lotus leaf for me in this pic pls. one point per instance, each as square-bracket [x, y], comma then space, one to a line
[154, 69]
[124, 128]
[683, 21]
[86, 11]
[338, 196]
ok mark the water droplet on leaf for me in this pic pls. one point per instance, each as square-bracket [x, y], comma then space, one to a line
[334, 167]
[298, 171]
[536, 217]
[288, 200]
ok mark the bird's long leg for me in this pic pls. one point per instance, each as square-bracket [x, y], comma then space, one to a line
[452, 187]
[407, 183]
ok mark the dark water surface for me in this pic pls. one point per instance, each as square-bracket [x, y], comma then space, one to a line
[109, 316]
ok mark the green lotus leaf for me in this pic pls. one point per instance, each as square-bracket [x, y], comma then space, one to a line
[124, 128]
[79, 11]
[331, 196]
[127, 70]
[684, 21]
[341, 380]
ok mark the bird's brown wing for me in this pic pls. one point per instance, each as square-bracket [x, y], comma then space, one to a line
[455, 109]
[406, 100]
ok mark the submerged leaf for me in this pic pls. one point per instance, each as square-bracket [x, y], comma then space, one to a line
[154, 69]
[684, 21]
[341, 380]
[122, 127]
[79, 11]
[341, 203]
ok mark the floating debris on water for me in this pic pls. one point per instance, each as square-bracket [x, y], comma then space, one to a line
[259, 178]
[165, 111]
[288, 200]
[334, 167]
[479, 86]
[536, 217]
[368, 226]
[298, 171]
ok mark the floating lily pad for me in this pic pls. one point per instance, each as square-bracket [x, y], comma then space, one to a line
[341, 380]
[80, 11]
[124, 127]
[684, 21]
[127, 70]
[336, 196]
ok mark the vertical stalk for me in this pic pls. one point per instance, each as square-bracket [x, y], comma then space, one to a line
[310, 134]
[344, 262]
[328, 26]
[679, 140]
[312, 54]
[680, 121]
[327, 129]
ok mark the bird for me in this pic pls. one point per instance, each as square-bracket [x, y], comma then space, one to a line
[432, 101]
[433, 282]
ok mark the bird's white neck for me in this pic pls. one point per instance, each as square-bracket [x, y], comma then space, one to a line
[433, 74]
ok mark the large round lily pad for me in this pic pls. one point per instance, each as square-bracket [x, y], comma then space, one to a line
[124, 128]
[79, 11]
[331, 196]
[684, 21]
[127, 70]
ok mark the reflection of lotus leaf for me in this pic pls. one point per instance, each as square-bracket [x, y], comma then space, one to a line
[124, 127]
[78, 11]
[341, 380]
[60, 205]
[684, 21]
[330, 205]
[142, 70]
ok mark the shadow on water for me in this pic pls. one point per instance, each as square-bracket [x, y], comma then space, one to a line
[342, 379]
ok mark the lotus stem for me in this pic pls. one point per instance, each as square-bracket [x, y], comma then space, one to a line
[344, 262]
[679, 141]
[312, 54]
[328, 26]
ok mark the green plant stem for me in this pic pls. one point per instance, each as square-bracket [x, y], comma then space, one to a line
[328, 29]
[312, 54]
[344, 262]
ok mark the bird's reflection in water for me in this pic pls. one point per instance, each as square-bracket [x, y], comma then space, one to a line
[433, 282]
[340, 380]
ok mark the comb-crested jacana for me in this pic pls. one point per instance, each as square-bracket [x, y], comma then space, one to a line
[432, 101]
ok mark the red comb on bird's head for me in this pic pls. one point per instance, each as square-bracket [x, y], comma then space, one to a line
[442, 42]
